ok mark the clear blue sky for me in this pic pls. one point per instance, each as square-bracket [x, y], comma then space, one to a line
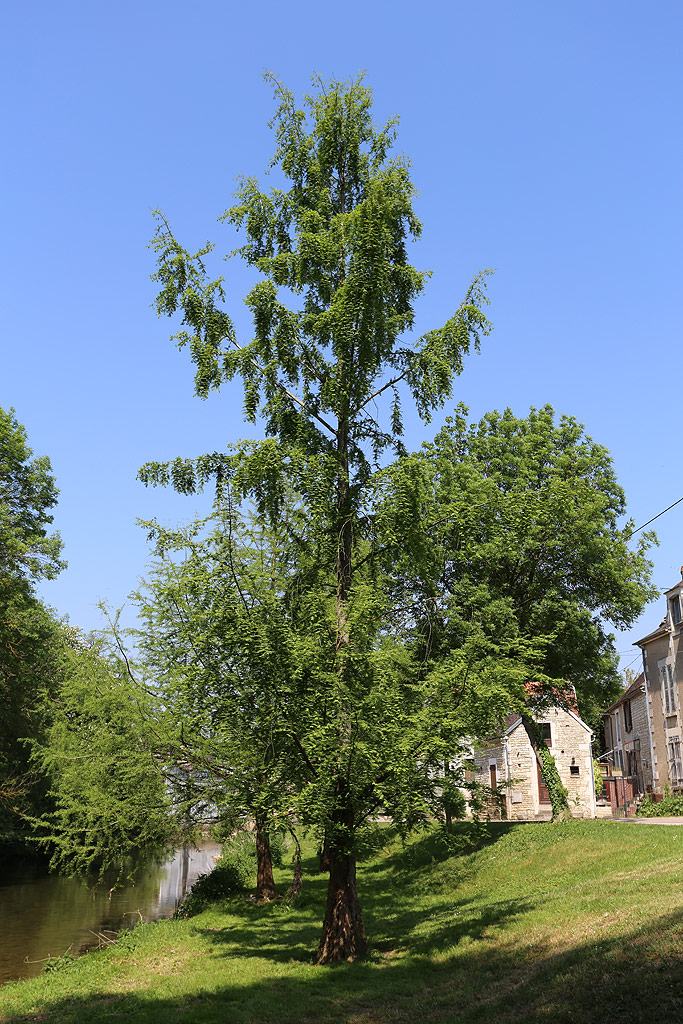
[545, 140]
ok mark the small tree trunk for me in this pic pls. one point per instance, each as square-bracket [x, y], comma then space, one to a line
[343, 936]
[265, 883]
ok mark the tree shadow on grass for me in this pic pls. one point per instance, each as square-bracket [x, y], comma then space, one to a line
[633, 978]
[464, 838]
[284, 937]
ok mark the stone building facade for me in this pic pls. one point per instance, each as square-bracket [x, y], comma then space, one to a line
[507, 771]
[662, 652]
[627, 737]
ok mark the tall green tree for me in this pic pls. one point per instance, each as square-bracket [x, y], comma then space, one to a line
[30, 637]
[523, 528]
[325, 374]
[526, 519]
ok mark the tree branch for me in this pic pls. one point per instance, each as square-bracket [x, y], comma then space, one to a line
[286, 391]
[375, 394]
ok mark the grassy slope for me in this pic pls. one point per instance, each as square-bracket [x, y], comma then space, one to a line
[577, 922]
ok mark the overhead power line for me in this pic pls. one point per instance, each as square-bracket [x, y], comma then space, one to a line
[657, 516]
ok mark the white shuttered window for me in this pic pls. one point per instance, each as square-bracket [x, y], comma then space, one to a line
[668, 685]
[675, 767]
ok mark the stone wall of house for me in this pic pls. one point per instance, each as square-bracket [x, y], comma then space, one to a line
[640, 737]
[637, 740]
[516, 770]
[482, 759]
[523, 799]
[661, 726]
[571, 748]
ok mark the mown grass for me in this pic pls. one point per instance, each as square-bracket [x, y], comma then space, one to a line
[576, 922]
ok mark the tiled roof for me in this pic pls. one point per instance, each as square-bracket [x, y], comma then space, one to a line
[563, 696]
[633, 690]
[661, 628]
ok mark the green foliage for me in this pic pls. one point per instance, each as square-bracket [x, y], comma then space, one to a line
[234, 871]
[671, 806]
[109, 796]
[319, 652]
[557, 792]
[387, 611]
[27, 493]
[31, 642]
[278, 848]
[597, 776]
[514, 523]
[30, 637]
[58, 963]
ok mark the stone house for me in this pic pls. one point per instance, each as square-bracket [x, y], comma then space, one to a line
[662, 652]
[507, 770]
[627, 737]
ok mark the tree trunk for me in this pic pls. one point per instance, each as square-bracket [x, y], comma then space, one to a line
[343, 936]
[265, 883]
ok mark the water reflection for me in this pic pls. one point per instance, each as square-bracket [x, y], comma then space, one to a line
[43, 916]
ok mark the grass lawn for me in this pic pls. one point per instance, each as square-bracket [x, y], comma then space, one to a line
[579, 922]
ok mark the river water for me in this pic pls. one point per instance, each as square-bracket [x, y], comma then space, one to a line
[46, 915]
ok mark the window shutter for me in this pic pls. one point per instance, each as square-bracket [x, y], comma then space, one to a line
[670, 703]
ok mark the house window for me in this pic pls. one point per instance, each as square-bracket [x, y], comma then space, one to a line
[616, 719]
[675, 607]
[470, 770]
[628, 717]
[573, 769]
[667, 686]
[544, 729]
[675, 767]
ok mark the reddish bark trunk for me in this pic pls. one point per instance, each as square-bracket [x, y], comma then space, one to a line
[343, 936]
[265, 883]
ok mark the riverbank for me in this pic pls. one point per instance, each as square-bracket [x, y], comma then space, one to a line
[541, 922]
[43, 916]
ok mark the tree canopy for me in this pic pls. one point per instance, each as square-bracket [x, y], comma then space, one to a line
[30, 636]
[522, 520]
[27, 493]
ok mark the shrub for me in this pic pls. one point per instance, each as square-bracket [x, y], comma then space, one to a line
[669, 807]
[58, 963]
[278, 847]
[233, 872]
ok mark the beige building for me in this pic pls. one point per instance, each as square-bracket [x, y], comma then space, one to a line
[507, 768]
[627, 738]
[663, 679]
